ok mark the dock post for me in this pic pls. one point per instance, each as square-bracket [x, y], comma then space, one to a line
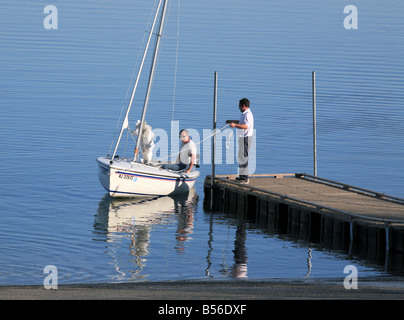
[214, 128]
[314, 125]
[387, 239]
[212, 178]
[387, 254]
[351, 237]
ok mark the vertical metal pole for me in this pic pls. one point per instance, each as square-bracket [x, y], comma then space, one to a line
[214, 128]
[314, 126]
[212, 178]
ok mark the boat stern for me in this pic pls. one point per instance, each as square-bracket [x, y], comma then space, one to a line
[104, 172]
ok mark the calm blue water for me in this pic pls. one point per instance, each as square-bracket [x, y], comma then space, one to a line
[62, 92]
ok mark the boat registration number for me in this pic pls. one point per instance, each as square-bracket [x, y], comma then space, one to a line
[127, 177]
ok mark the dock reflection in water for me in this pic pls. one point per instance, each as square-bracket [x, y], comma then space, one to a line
[157, 239]
[167, 238]
[132, 220]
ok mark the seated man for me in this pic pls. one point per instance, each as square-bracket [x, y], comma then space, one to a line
[187, 157]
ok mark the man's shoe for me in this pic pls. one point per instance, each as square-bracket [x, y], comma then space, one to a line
[244, 181]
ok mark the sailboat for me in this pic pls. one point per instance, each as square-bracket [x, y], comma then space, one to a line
[141, 177]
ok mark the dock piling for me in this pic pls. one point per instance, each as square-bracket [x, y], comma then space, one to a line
[314, 124]
[214, 137]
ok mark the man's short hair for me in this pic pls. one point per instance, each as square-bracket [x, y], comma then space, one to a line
[184, 130]
[244, 102]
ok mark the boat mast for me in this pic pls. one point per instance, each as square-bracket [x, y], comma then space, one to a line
[125, 123]
[151, 76]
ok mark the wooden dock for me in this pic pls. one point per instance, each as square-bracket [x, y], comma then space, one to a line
[309, 205]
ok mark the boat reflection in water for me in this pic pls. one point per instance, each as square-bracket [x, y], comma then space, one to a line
[131, 221]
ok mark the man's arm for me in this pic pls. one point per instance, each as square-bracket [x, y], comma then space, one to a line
[239, 126]
[236, 124]
[191, 165]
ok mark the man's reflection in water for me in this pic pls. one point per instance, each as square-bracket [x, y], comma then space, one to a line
[239, 269]
[184, 209]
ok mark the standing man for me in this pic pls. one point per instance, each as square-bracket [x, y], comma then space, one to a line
[245, 134]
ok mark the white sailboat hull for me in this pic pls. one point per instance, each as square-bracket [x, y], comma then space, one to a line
[123, 178]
